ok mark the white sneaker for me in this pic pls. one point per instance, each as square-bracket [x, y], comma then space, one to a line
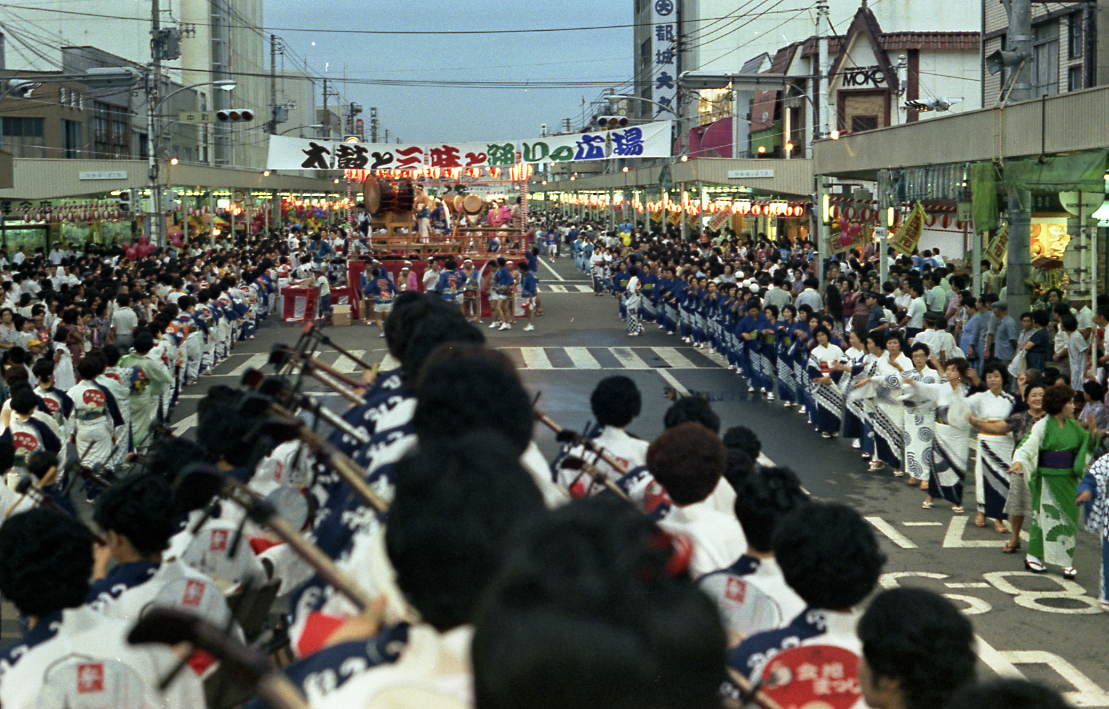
[494, 325]
[529, 328]
[382, 335]
[504, 326]
[855, 444]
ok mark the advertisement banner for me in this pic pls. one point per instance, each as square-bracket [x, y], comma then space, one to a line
[906, 238]
[650, 140]
[998, 251]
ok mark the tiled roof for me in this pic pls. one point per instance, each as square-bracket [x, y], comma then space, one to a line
[930, 40]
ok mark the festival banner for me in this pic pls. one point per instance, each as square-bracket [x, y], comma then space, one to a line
[720, 217]
[998, 251]
[650, 140]
[909, 234]
[850, 236]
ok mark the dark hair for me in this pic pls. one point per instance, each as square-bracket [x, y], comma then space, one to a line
[137, 508]
[45, 562]
[441, 324]
[23, 398]
[688, 461]
[691, 409]
[1069, 322]
[763, 498]
[615, 401]
[466, 386]
[456, 506]
[1056, 397]
[823, 542]
[90, 366]
[1007, 694]
[1094, 389]
[744, 439]
[921, 639]
[998, 367]
[558, 631]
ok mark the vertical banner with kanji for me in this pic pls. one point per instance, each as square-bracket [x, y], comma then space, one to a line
[998, 251]
[665, 69]
[720, 217]
[906, 238]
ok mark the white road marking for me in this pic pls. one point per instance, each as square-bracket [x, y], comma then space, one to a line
[347, 365]
[673, 358]
[554, 273]
[184, 424]
[255, 362]
[923, 524]
[953, 539]
[892, 534]
[626, 357]
[556, 288]
[536, 358]
[969, 584]
[673, 381]
[581, 358]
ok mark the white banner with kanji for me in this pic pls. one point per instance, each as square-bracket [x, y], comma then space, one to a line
[650, 140]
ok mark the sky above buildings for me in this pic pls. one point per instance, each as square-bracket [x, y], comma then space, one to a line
[460, 109]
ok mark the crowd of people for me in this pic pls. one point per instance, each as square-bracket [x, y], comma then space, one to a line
[462, 568]
[916, 370]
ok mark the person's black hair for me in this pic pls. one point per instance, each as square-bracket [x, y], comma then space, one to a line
[144, 341]
[7, 456]
[921, 347]
[465, 386]
[40, 462]
[111, 354]
[137, 508]
[1068, 322]
[23, 399]
[1007, 694]
[822, 329]
[456, 506]
[1041, 318]
[691, 409]
[921, 640]
[998, 367]
[763, 498]
[744, 439]
[616, 401]
[828, 555]
[688, 461]
[45, 562]
[559, 629]
[43, 369]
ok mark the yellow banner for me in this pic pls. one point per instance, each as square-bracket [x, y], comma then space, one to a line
[998, 251]
[907, 237]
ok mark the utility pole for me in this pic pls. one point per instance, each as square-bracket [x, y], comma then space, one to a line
[373, 124]
[821, 128]
[1019, 207]
[326, 114]
[275, 200]
[153, 90]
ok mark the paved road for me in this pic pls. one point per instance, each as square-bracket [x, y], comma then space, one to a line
[1043, 627]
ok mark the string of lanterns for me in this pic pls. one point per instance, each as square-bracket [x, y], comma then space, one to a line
[516, 173]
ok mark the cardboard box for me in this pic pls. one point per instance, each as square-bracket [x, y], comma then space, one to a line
[340, 315]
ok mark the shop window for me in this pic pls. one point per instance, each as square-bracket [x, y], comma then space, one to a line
[1074, 78]
[1074, 36]
[71, 134]
[24, 137]
[861, 123]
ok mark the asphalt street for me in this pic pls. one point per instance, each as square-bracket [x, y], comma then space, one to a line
[1042, 627]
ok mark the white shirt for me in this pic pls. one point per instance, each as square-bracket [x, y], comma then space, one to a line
[436, 664]
[718, 540]
[753, 602]
[984, 405]
[124, 321]
[173, 585]
[916, 312]
[89, 656]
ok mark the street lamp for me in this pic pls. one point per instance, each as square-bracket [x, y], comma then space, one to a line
[155, 132]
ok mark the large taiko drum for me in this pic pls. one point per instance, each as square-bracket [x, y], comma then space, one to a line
[472, 204]
[371, 194]
[398, 196]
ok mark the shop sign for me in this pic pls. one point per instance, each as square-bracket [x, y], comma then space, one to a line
[909, 234]
[749, 174]
[998, 250]
[103, 175]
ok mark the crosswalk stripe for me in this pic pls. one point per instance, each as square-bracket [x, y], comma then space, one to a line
[584, 289]
[536, 358]
[626, 357]
[673, 358]
[347, 365]
[253, 362]
[565, 288]
[581, 358]
[557, 289]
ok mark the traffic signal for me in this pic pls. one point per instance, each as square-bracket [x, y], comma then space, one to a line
[126, 199]
[611, 121]
[235, 115]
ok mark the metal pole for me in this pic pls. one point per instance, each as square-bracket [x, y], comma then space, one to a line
[1020, 200]
[821, 229]
[326, 114]
[683, 202]
[273, 84]
[153, 86]
[823, 30]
